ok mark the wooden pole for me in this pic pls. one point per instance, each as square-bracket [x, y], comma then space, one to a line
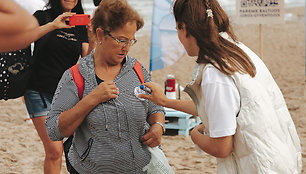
[260, 42]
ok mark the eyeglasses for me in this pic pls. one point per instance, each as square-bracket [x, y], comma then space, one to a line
[122, 43]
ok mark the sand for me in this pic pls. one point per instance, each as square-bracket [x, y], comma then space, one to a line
[283, 52]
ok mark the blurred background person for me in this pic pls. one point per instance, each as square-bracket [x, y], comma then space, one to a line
[59, 47]
[31, 6]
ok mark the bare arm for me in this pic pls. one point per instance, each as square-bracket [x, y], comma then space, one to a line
[181, 105]
[23, 39]
[14, 18]
[158, 97]
[217, 147]
[16, 27]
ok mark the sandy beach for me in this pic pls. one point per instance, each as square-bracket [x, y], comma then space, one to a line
[21, 151]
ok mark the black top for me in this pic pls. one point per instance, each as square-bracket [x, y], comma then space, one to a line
[99, 80]
[54, 53]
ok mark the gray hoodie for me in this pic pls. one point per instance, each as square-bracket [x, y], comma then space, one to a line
[107, 141]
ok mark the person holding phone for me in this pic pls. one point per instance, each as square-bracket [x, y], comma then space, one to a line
[246, 123]
[60, 46]
[17, 26]
[111, 127]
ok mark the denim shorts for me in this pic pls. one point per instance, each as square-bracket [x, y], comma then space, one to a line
[35, 104]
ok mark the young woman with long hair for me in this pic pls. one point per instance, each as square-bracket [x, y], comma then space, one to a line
[246, 123]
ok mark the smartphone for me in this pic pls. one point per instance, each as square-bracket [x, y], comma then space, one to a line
[79, 19]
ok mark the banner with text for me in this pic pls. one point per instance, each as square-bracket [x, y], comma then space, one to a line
[260, 11]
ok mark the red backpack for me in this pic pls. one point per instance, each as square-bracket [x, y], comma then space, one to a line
[79, 80]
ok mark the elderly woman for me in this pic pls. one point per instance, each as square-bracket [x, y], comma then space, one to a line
[111, 126]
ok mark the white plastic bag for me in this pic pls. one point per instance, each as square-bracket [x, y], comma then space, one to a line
[158, 163]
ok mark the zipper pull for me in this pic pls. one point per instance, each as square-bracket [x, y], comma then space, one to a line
[106, 127]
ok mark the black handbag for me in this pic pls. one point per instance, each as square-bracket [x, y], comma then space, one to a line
[16, 69]
[15, 72]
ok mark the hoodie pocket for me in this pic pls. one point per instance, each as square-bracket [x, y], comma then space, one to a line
[86, 152]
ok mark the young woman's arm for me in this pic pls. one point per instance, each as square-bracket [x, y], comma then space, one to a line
[158, 97]
[222, 104]
[217, 147]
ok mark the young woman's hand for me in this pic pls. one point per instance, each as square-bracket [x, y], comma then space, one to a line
[157, 95]
[60, 21]
[200, 128]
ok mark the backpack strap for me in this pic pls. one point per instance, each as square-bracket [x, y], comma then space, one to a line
[138, 70]
[78, 79]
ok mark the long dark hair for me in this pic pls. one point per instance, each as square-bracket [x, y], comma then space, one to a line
[214, 49]
[56, 7]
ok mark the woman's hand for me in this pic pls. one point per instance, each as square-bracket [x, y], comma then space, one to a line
[60, 21]
[219, 147]
[104, 92]
[157, 96]
[196, 131]
[153, 137]
[199, 128]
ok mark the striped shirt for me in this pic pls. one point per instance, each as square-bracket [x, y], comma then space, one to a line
[107, 141]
